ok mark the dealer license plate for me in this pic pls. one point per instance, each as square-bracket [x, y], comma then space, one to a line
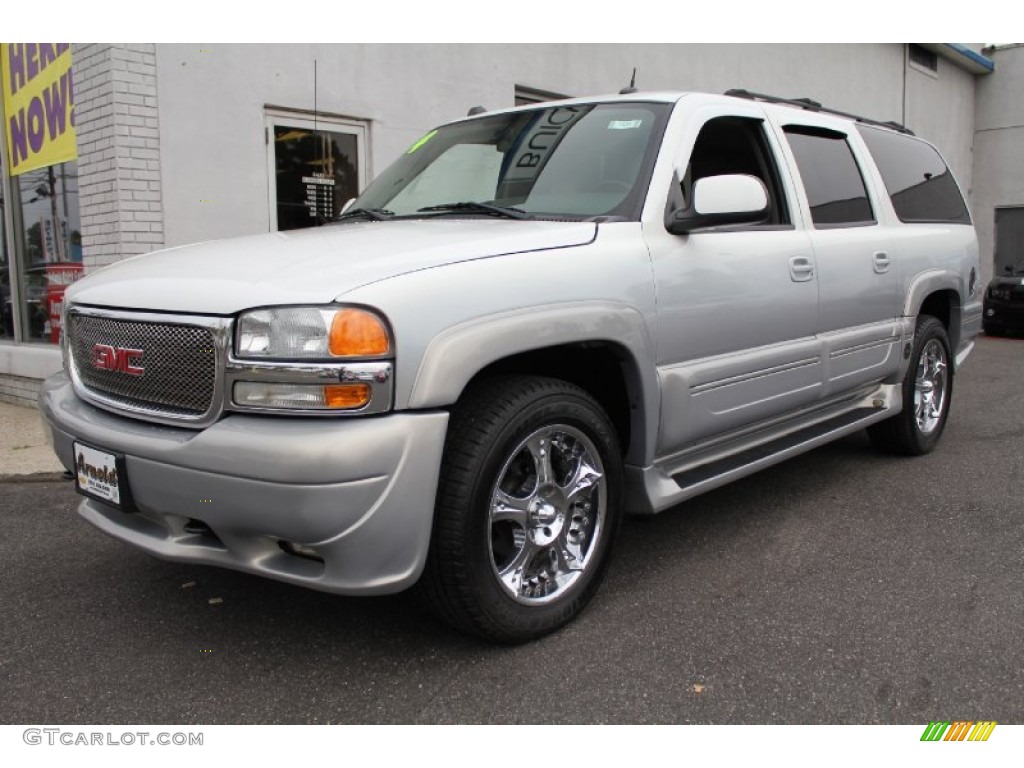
[99, 474]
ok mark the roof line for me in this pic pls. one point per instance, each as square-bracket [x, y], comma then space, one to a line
[964, 57]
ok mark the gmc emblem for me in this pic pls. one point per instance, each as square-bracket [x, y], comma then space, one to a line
[107, 358]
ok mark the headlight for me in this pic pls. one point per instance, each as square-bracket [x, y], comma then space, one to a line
[311, 333]
[311, 360]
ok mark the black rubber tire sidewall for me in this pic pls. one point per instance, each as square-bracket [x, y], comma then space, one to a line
[901, 434]
[480, 604]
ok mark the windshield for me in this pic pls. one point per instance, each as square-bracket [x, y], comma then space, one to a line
[578, 162]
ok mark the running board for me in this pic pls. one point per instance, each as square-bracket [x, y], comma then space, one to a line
[663, 490]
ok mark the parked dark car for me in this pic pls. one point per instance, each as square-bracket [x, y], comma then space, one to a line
[1004, 303]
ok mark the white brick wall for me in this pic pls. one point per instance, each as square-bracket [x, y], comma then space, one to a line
[118, 151]
[19, 390]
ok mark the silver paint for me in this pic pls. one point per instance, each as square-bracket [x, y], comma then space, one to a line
[358, 491]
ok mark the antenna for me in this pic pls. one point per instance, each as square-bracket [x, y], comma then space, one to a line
[317, 159]
[631, 88]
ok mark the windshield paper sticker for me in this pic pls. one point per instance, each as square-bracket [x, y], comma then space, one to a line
[624, 125]
[421, 142]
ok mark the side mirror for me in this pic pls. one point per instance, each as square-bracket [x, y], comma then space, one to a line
[718, 201]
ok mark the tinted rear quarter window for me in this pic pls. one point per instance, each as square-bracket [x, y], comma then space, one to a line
[833, 182]
[917, 179]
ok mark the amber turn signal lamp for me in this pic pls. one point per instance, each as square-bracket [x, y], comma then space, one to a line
[346, 395]
[358, 333]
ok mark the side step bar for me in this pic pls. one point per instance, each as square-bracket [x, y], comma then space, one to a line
[663, 490]
[779, 449]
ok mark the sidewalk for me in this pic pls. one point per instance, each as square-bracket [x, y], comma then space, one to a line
[24, 452]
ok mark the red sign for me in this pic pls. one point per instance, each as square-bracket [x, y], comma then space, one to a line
[58, 277]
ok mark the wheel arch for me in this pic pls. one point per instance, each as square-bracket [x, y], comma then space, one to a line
[937, 293]
[602, 348]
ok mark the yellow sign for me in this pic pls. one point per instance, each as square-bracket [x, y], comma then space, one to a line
[38, 105]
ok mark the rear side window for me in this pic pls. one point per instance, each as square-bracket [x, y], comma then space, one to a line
[917, 179]
[833, 182]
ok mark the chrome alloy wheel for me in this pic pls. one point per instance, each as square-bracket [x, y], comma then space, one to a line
[930, 387]
[547, 513]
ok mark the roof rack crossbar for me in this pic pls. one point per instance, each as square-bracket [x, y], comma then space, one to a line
[814, 106]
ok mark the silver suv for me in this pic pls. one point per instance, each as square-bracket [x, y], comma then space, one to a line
[535, 321]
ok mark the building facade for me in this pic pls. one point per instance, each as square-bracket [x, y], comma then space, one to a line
[998, 194]
[181, 143]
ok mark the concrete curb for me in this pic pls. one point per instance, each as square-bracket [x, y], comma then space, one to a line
[35, 477]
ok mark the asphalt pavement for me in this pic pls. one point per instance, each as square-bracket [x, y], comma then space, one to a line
[840, 587]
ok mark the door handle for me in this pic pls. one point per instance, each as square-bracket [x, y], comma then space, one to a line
[801, 269]
[882, 262]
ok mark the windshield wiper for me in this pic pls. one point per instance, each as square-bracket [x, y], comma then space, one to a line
[373, 214]
[493, 210]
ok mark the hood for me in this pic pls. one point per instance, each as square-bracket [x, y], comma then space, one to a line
[310, 266]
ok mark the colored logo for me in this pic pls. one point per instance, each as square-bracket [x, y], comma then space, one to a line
[958, 730]
[107, 358]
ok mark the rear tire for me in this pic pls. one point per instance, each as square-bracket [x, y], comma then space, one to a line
[927, 395]
[528, 506]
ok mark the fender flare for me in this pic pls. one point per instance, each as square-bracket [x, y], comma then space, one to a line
[933, 281]
[459, 353]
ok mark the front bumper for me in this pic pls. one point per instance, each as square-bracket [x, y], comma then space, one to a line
[357, 492]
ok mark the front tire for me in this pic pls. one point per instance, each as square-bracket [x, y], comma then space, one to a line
[528, 505]
[927, 395]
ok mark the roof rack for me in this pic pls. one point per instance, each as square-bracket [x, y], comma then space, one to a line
[814, 106]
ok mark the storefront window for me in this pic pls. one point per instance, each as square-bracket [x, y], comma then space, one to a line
[39, 227]
[6, 299]
[317, 167]
[51, 247]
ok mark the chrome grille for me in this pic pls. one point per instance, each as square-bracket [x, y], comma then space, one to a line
[179, 362]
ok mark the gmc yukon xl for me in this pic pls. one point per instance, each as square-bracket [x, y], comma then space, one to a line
[535, 321]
